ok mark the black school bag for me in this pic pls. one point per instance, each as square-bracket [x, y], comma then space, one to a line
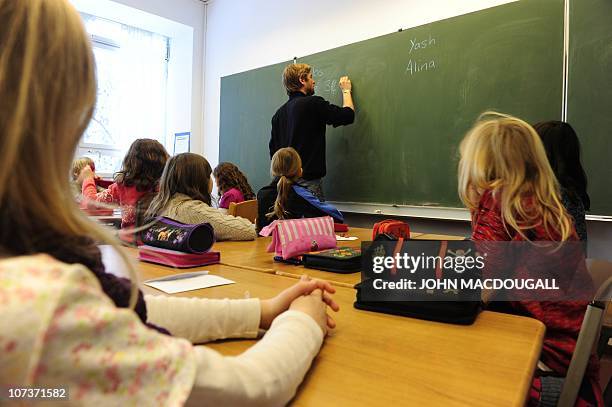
[451, 308]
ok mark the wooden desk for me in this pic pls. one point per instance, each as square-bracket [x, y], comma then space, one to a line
[380, 360]
[253, 254]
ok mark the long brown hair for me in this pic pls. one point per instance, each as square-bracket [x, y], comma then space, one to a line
[287, 165]
[563, 151]
[504, 154]
[229, 176]
[185, 173]
[47, 98]
[142, 165]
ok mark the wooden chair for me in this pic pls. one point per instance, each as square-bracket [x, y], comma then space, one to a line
[594, 333]
[600, 271]
[246, 209]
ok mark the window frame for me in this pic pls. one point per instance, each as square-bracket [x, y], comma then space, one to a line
[86, 149]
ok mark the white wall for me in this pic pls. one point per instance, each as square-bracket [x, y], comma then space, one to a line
[184, 22]
[245, 34]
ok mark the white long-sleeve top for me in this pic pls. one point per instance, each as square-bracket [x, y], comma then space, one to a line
[59, 329]
[227, 227]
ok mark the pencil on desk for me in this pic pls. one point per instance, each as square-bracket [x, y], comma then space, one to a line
[298, 276]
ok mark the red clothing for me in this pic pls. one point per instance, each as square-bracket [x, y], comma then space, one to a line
[563, 319]
[125, 197]
[231, 195]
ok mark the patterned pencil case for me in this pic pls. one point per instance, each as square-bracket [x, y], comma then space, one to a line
[173, 235]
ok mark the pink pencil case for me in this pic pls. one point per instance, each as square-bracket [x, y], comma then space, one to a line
[294, 237]
[175, 258]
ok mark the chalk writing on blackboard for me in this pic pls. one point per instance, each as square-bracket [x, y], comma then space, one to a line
[417, 65]
[416, 45]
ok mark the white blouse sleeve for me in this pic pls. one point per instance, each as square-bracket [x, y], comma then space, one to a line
[201, 320]
[268, 374]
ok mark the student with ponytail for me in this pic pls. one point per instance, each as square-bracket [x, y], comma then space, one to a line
[59, 328]
[285, 197]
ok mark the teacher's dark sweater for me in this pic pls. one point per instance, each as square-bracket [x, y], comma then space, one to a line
[300, 123]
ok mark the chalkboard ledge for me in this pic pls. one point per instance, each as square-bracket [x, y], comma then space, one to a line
[423, 212]
[599, 218]
[413, 211]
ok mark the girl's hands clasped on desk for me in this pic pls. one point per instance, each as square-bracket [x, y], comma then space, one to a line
[311, 297]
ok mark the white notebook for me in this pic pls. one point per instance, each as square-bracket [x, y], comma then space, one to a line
[182, 282]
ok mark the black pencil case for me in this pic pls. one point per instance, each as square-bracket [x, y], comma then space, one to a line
[343, 260]
[451, 312]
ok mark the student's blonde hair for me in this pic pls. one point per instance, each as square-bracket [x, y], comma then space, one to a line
[79, 164]
[286, 164]
[504, 154]
[47, 98]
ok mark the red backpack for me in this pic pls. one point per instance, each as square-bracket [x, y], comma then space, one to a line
[396, 228]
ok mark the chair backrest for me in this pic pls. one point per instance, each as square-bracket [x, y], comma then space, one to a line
[246, 209]
[601, 271]
[589, 331]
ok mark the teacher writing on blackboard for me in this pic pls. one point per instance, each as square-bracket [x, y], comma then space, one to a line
[300, 122]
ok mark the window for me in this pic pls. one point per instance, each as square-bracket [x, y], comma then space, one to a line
[132, 73]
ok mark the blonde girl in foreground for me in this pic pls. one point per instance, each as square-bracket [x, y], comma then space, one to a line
[508, 185]
[58, 328]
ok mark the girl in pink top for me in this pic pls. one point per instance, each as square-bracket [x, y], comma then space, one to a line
[137, 180]
[232, 184]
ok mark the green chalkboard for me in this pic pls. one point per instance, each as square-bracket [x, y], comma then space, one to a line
[416, 93]
[589, 107]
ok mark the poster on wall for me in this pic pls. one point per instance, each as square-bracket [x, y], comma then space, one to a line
[181, 142]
